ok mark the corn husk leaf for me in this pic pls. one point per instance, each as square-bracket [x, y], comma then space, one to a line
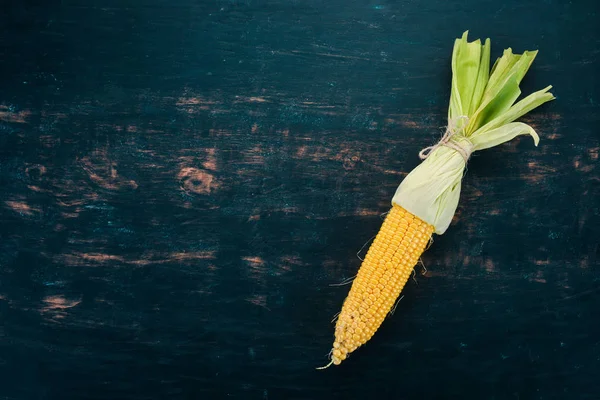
[465, 64]
[433, 197]
[521, 108]
[483, 76]
[502, 89]
[481, 115]
[484, 139]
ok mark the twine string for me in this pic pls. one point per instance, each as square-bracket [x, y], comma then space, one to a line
[446, 140]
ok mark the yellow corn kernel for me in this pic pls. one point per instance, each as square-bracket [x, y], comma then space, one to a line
[380, 279]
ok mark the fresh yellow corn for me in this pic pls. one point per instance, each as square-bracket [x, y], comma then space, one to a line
[482, 114]
[380, 279]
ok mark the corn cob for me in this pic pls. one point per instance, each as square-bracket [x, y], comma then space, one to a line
[482, 114]
[380, 279]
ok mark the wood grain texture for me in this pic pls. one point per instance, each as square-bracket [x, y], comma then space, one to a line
[183, 181]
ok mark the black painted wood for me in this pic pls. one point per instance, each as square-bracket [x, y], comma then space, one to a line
[183, 181]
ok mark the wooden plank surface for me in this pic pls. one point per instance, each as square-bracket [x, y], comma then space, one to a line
[184, 181]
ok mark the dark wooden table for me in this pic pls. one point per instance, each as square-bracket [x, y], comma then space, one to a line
[184, 181]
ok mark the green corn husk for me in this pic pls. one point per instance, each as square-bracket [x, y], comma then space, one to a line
[481, 115]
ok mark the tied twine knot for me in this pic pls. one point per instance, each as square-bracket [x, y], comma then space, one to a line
[446, 140]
